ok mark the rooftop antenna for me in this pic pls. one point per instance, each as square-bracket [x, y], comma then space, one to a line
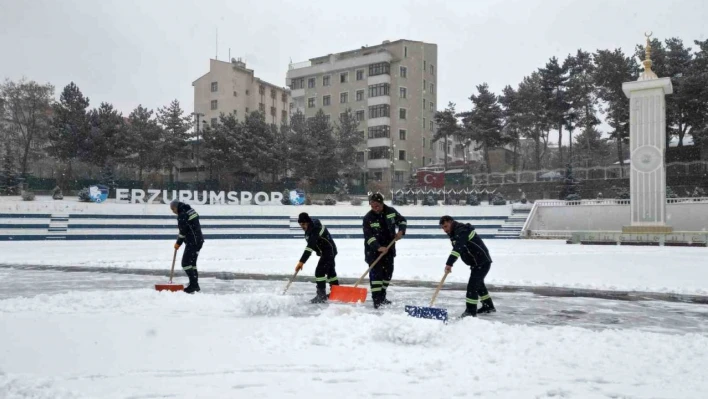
[217, 43]
[229, 53]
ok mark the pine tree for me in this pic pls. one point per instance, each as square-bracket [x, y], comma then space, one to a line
[510, 102]
[484, 122]
[581, 97]
[143, 138]
[9, 179]
[108, 140]
[448, 127]
[592, 148]
[553, 83]
[321, 133]
[257, 142]
[349, 139]
[175, 130]
[70, 128]
[532, 117]
[223, 147]
[612, 69]
[27, 107]
[302, 146]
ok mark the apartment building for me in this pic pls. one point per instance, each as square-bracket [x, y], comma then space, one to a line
[230, 87]
[392, 90]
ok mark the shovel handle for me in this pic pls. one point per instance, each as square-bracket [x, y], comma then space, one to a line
[290, 282]
[172, 271]
[437, 291]
[373, 264]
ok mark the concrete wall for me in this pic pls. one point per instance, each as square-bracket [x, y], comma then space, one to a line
[684, 216]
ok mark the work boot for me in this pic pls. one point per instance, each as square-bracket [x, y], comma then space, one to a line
[384, 301]
[321, 296]
[470, 311]
[377, 298]
[487, 307]
[193, 281]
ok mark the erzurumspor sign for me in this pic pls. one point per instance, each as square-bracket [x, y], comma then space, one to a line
[137, 196]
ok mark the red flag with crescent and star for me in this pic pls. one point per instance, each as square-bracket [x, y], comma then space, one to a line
[431, 179]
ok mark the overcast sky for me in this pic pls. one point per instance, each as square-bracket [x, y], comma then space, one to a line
[149, 52]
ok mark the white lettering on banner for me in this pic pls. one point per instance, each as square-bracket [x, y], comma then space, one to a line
[154, 193]
[233, 197]
[259, 195]
[167, 200]
[215, 198]
[185, 196]
[122, 194]
[137, 196]
[203, 200]
[246, 198]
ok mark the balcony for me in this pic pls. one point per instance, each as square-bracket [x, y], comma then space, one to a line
[297, 93]
[384, 120]
[379, 142]
[378, 100]
[336, 64]
[378, 79]
[378, 163]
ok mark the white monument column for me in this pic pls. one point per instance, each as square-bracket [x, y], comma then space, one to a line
[647, 143]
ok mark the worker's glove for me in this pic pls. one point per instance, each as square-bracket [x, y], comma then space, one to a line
[177, 246]
[299, 266]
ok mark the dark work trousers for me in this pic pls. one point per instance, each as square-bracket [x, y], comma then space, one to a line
[475, 286]
[325, 273]
[380, 278]
[189, 257]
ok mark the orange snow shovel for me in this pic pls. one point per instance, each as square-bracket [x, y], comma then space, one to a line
[354, 294]
[169, 286]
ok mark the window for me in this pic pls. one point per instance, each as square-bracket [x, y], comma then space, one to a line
[431, 126]
[343, 98]
[402, 134]
[360, 115]
[379, 132]
[246, 110]
[405, 51]
[381, 89]
[423, 147]
[401, 113]
[402, 92]
[214, 104]
[342, 115]
[214, 87]
[432, 69]
[261, 90]
[284, 97]
[425, 68]
[403, 72]
[399, 176]
[284, 116]
[235, 94]
[381, 68]
[431, 145]
[261, 107]
[424, 103]
[379, 111]
[425, 84]
[360, 95]
[272, 111]
[432, 106]
[326, 100]
[272, 94]
[423, 159]
[401, 155]
[344, 77]
[311, 83]
[327, 118]
[311, 102]
[360, 156]
[247, 92]
[424, 124]
[325, 80]
[360, 74]
[379, 153]
[362, 134]
[214, 122]
[432, 88]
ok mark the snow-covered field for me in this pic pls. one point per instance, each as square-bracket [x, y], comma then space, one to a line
[251, 342]
[516, 262]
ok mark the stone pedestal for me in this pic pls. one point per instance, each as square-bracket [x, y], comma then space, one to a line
[647, 141]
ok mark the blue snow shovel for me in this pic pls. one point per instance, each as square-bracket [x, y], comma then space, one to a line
[429, 312]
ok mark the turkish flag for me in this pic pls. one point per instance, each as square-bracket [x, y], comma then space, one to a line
[431, 179]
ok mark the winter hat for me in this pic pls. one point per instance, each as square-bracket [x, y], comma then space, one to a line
[304, 218]
[174, 203]
[376, 198]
